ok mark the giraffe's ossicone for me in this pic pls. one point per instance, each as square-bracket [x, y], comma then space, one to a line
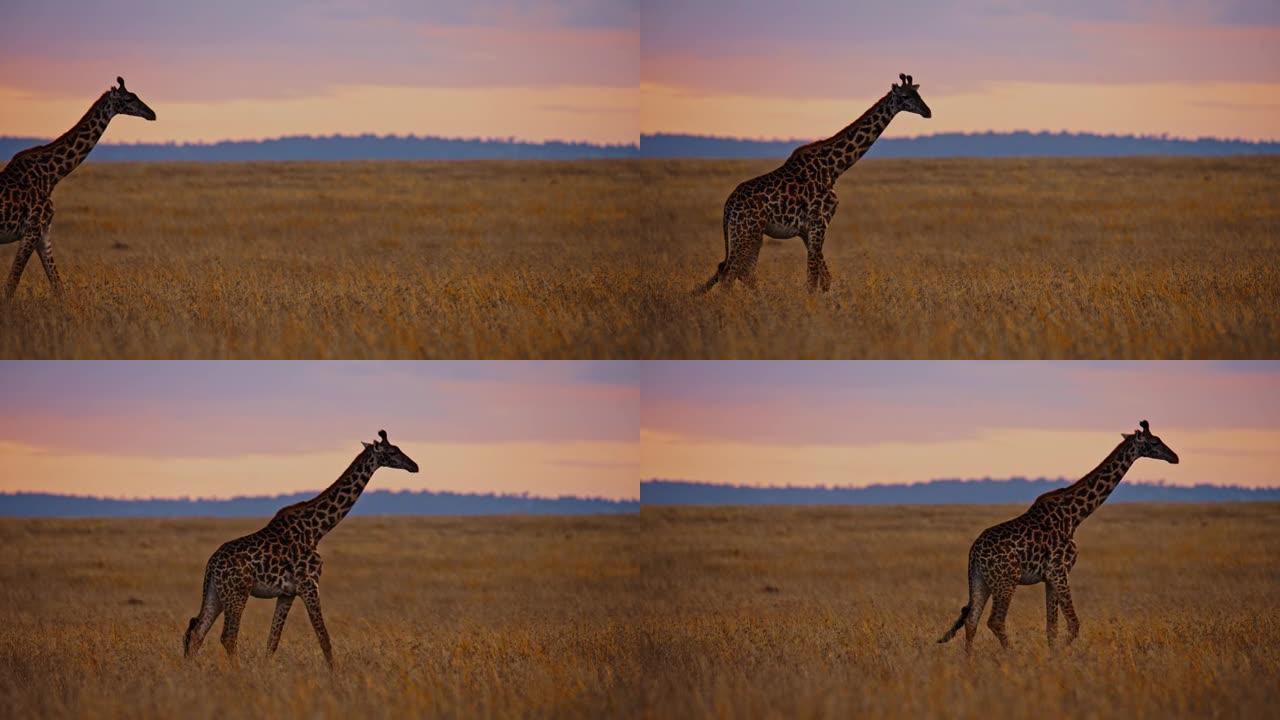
[280, 560]
[27, 182]
[1038, 546]
[799, 199]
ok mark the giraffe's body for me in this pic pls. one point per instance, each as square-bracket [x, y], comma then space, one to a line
[1038, 546]
[280, 560]
[799, 199]
[28, 180]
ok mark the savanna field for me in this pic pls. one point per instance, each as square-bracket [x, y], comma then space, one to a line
[1149, 258]
[835, 612]
[429, 617]
[334, 260]
[1060, 258]
[691, 612]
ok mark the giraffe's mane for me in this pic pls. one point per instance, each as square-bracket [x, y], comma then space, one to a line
[288, 509]
[1048, 497]
[861, 119]
[1055, 494]
[37, 149]
[825, 142]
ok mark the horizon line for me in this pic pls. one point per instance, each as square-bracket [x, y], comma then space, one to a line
[509, 140]
[1163, 137]
[232, 498]
[918, 483]
[513, 140]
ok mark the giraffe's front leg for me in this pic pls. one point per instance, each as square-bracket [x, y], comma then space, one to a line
[311, 598]
[819, 275]
[283, 603]
[1062, 590]
[46, 258]
[25, 248]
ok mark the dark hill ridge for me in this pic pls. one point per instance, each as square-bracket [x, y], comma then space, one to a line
[987, 145]
[392, 147]
[934, 492]
[373, 502]
[339, 147]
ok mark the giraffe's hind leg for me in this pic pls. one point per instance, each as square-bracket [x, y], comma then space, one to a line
[1050, 613]
[1001, 596]
[233, 602]
[978, 594]
[25, 247]
[283, 603]
[744, 242]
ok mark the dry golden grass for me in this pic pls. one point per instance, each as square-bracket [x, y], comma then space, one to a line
[1141, 258]
[334, 260]
[1177, 607]
[475, 617]
[959, 258]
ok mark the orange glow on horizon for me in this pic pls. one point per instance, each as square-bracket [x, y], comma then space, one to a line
[1248, 458]
[585, 469]
[592, 114]
[1224, 110]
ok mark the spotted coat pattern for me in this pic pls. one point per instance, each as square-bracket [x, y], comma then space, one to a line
[799, 199]
[1038, 546]
[28, 180]
[280, 560]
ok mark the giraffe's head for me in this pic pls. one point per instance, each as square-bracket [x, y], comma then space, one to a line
[906, 97]
[388, 455]
[124, 102]
[1149, 445]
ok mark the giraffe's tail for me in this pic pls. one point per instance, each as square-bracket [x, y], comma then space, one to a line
[192, 639]
[964, 615]
[186, 639]
[704, 287]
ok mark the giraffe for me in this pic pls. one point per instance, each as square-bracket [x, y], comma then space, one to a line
[799, 198]
[280, 560]
[27, 182]
[1037, 546]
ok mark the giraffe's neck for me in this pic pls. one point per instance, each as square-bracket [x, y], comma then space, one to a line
[1090, 491]
[323, 512]
[849, 145]
[56, 160]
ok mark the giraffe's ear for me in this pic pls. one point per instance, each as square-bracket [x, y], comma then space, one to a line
[1127, 436]
[366, 445]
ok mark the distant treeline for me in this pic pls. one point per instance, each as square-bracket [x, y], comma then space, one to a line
[936, 492]
[374, 502]
[989, 144]
[339, 147]
[373, 147]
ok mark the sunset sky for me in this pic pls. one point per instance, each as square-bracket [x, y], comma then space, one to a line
[219, 429]
[805, 68]
[238, 69]
[605, 70]
[862, 423]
